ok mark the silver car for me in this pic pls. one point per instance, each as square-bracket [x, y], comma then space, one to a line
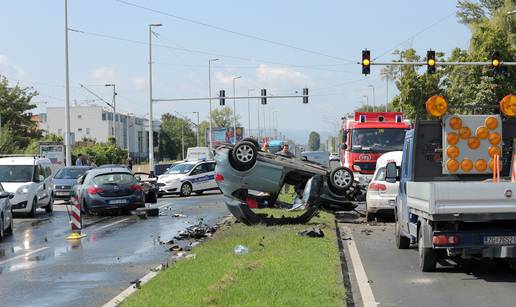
[251, 178]
[6, 216]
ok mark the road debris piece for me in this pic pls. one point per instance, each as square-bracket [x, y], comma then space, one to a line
[197, 231]
[241, 250]
[312, 233]
[179, 215]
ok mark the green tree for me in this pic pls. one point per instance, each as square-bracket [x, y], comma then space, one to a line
[224, 118]
[7, 146]
[170, 140]
[203, 127]
[314, 141]
[101, 153]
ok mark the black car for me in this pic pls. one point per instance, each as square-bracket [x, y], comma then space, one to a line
[109, 190]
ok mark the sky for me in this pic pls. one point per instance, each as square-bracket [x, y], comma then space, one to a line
[282, 46]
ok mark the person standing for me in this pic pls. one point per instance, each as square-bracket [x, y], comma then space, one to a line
[79, 161]
[130, 162]
[285, 151]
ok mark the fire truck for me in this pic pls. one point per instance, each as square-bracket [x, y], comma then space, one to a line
[366, 137]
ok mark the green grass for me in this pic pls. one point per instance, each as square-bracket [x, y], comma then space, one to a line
[289, 270]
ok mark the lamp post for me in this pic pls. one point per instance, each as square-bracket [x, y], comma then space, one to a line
[367, 100]
[209, 87]
[68, 147]
[234, 109]
[197, 127]
[249, 90]
[114, 110]
[374, 99]
[151, 124]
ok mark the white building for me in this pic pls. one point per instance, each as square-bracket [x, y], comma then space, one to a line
[92, 122]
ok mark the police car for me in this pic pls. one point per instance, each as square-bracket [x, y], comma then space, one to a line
[187, 178]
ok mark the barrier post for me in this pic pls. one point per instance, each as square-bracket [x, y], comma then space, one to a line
[75, 220]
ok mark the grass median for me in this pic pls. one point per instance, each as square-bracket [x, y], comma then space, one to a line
[281, 269]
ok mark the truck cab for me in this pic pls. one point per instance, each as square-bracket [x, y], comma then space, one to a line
[366, 137]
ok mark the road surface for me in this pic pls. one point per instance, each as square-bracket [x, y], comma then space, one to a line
[39, 267]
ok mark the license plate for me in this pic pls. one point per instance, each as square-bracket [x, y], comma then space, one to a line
[500, 240]
[62, 193]
[117, 201]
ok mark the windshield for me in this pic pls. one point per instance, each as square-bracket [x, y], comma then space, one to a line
[377, 139]
[70, 173]
[114, 178]
[180, 169]
[16, 173]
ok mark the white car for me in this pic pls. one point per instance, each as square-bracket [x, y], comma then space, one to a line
[381, 195]
[188, 177]
[30, 180]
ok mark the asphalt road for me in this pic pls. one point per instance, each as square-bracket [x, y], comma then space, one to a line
[39, 267]
[395, 278]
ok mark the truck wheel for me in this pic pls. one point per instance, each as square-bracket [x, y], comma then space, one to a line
[244, 155]
[341, 179]
[401, 241]
[427, 256]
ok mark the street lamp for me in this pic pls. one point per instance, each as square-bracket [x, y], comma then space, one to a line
[151, 123]
[234, 109]
[374, 99]
[68, 147]
[209, 86]
[197, 127]
[249, 90]
[114, 110]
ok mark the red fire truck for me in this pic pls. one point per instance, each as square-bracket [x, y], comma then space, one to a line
[366, 137]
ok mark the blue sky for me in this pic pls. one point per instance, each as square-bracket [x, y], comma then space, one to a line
[32, 51]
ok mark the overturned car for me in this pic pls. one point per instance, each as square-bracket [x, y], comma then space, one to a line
[251, 179]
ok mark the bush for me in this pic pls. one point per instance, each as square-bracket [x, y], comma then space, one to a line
[101, 153]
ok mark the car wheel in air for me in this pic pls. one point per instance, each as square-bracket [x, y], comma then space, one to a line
[252, 140]
[341, 179]
[186, 189]
[244, 155]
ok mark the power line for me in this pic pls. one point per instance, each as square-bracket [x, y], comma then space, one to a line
[232, 31]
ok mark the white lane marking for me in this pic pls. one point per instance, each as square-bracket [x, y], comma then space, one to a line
[112, 224]
[24, 255]
[363, 282]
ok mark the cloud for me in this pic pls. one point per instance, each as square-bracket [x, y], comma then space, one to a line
[224, 79]
[280, 77]
[139, 83]
[104, 74]
[11, 70]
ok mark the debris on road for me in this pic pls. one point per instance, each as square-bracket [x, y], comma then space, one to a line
[179, 215]
[367, 232]
[312, 233]
[196, 231]
[241, 250]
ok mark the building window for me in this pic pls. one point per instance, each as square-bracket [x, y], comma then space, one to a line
[79, 130]
[110, 116]
[140, 141]
[103, 116]
[88, 131]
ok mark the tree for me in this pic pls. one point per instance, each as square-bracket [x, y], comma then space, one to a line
[101, 153]
[15, 104]
[7, 146]
[224, 118]
[314, 141]
[170, 140]
[203, 127]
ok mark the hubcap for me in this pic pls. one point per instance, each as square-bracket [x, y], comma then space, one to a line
[342, 178]
[186, 189]
[244, 153]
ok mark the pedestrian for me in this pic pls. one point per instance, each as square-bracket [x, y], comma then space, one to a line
[79, 161]
[285, 151]
[265, 147]
[129, 162]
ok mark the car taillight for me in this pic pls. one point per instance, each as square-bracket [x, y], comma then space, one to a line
[219, 177]
[94, 190]
[375, 186]
[445, 240]
[136, 187]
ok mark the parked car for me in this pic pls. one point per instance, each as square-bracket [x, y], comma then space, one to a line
[6, 215]
[381, 195]
[65, 179]
[243, 172]
[149, 184]
[30, 180]
[108, 190]
[187, 178]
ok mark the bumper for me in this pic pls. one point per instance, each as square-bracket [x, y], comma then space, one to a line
[130, 202]
[376, 203]
[474, 243]
[168, 188]
[62, 194]
[21, 204]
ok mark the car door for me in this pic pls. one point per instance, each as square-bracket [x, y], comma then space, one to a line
[210, 173]
[48, 181]
[405, 176]
[5, 207]
[40, 186]
[196, 179]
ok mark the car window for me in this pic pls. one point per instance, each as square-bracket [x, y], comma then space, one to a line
[199, 169]
[48, 171]
[180, 169]
[114, 178]
[380, 174]
[16, 173]
[39, 171]
[210, 167]
[70, 173]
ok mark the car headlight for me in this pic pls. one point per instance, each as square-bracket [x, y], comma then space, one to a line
[22, 190]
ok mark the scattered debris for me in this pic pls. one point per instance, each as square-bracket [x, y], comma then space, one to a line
[241, 250]
[169, 242]
[313, 233]
[367, 232]
[179, 215]
[175, 248]
[136, 283]
[196, 231]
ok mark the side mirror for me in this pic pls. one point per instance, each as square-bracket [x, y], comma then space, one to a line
[391, 172]
[11, 195]
[4, 194]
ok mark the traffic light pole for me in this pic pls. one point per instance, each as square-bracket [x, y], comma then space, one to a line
[227, 97]
[441, 63]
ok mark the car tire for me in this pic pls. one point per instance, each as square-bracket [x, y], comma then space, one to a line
[34, 205]
[2, 228]
[244, 155]
[252, 140]
[341, 179]
[10, 230]
[402, 242]
[50, 207]
[153, 198]
[186, 189]
[370, 216]
[84, 208]
[427, 256]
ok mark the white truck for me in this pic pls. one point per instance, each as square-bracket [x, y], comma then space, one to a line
[449, 203]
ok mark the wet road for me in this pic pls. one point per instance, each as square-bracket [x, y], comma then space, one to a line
[395, 279]
[39, 267]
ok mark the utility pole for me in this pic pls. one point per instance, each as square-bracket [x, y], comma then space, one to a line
[68, 147]
[367, 101]
[183, 141]
[249, 110]
[234, 109]
[209, 86]
[114, 112]
[151, 123]
[198, 128]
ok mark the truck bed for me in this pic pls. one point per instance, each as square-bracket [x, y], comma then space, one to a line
[459, 200]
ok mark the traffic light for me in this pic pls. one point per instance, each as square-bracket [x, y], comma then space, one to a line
[264, 95]
[430, 61]
[305, 95]
[366, 62]
[496, 62]
[222, 97]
